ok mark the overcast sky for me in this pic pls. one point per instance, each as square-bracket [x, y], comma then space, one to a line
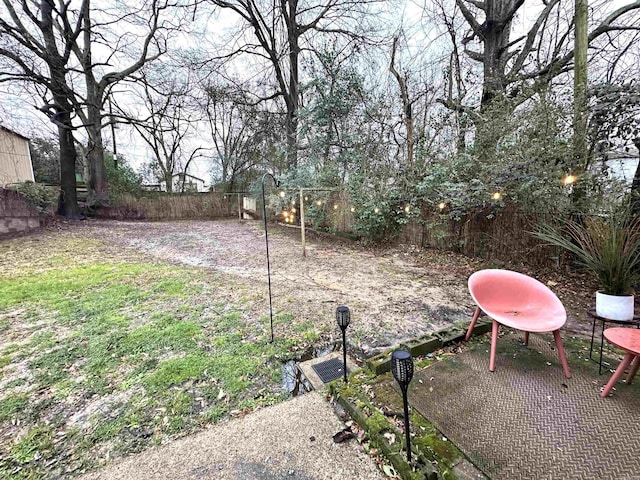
[17, 109]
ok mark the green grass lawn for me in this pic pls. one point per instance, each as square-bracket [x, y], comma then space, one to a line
[102, 355]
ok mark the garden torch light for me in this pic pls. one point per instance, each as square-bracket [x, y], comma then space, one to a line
[402, 369]
[343, 318]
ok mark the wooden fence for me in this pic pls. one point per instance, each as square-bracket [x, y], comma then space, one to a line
[501, 237]
[212, 205]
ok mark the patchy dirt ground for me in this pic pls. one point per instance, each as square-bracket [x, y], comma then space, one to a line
[394, 294]
[118, 335]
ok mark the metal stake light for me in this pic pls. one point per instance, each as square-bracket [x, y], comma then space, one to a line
[402, 370]
[266, 239]
[343, 318]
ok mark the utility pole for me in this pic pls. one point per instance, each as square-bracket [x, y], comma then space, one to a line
[113, 135]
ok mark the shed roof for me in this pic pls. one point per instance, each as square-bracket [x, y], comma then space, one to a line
[183, 174]
[2, 127]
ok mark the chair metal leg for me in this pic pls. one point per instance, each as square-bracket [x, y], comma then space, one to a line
[472, 325]
[561, 354]
[617, 374]
[634, 368]
[526, 338]
[494, 342]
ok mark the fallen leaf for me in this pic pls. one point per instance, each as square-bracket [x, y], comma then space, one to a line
[389, 471]
[391, 437]
[343, 435]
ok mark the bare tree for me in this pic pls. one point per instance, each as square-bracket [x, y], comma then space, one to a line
[413, 89]
[57, 35]
[282, 30]
[237, 131]
[509, 63]
[407, 103]
[455, 86]
[36, 47]
[166, 124]
[146, 30]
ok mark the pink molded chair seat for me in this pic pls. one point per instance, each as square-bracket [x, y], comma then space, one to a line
[519, 302]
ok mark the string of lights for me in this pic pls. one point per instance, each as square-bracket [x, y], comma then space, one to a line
[289, 216]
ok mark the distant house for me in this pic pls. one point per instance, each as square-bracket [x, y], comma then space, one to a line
[622, 165]
[15, 157]
[183, 182]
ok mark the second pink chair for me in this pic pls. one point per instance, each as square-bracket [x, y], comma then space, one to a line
[519, 302]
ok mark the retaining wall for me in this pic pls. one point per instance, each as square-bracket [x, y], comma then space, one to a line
[16, 214]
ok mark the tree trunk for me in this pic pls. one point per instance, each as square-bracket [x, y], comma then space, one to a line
[98, 188]
[168, 180]
[496, 34]
[293, 101]
[580, 149]
[61, 116]
[68, 206]
[225, 171]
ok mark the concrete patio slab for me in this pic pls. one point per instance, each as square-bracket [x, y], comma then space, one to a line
[291, 440]
[526, 420]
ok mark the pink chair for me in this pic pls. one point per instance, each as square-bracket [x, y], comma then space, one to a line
[519, 302]
[628, 339]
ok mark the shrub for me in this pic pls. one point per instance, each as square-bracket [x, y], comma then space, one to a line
[44, 198]
[123, 180]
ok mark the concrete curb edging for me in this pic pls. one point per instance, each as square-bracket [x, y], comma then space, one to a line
[426, 344]
[426, 471]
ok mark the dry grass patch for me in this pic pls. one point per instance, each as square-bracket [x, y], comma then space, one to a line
[101, 356]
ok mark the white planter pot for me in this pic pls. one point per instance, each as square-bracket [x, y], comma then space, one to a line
[615, 307]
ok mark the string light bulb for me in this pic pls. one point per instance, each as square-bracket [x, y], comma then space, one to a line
[293, 202]
[335, 207]
[407, 208]
[441, 205]
[306, 198]
[282, 194]
[569, 179]
[353, 209]
[496, 196]
[319, 202]
[377, 210]
[294, 210]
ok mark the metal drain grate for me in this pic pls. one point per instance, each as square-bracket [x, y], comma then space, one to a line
[329, 370]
